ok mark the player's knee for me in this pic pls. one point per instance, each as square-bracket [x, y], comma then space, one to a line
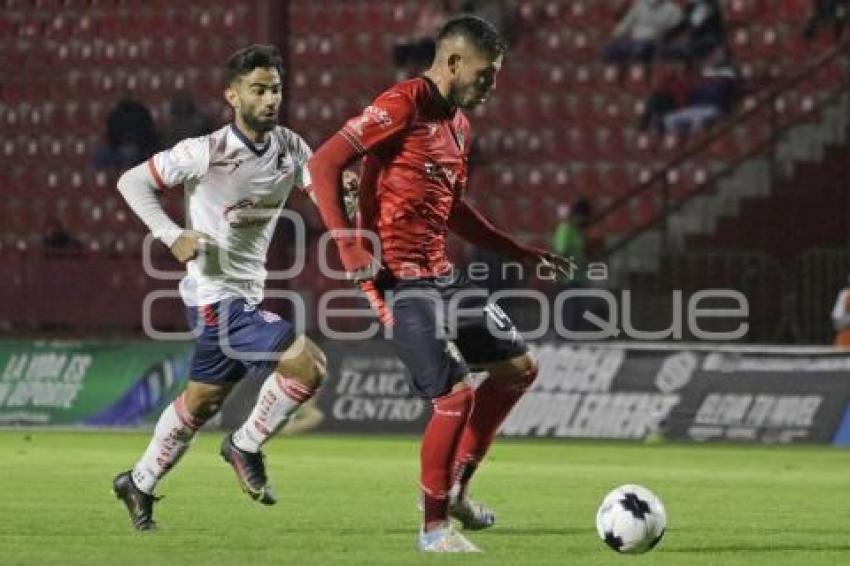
[207, 411]
[203, 407]
[313, 369]
[318, 368]
[525, 371]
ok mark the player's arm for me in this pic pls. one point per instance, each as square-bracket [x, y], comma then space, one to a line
[473, 227]
[379, 123]
[326, 169]
[301, 154]
[386, 118]
[140, 187]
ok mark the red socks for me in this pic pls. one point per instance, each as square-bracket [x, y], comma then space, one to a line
[439, 444]
[494, 399]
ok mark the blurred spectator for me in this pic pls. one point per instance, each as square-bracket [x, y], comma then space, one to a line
[184, 120]
[841, 318]
[825, 13]
[642, 30]
[568, 239]
[130, 135]
[56, 238]
[415, 53]
[701, 31]
[686, 100]
[711, 98]
[670, 93]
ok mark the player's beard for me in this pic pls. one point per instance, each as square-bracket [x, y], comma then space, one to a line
[260, 123]
[470, 97]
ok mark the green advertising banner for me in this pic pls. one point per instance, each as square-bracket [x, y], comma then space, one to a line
[96, 383]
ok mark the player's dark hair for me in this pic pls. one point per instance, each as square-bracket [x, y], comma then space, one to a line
[480, 32]
[252, 57]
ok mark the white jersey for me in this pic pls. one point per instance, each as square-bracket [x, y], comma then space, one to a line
[234, 192]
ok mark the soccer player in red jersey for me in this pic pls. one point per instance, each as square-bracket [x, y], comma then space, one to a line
[415, 141]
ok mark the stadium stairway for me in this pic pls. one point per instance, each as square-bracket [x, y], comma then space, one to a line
[801, 146]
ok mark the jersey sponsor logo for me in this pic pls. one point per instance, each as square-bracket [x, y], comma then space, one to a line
[233, 213]
[245, 212]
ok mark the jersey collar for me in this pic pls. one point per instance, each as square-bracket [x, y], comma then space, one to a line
[440, 101]
[258, 151]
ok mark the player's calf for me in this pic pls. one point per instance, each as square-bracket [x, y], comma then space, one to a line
[298, 376]
[277, 401]
[171, 439]
[494, 399]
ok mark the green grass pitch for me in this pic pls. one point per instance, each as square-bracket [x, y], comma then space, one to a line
[351, 500]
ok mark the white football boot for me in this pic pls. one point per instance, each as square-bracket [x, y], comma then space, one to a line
[444, 539]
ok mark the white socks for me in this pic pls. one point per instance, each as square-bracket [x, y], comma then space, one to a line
[278, 399]
[171, 439]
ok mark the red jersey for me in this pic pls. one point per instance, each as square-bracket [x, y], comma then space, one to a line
[414, 171]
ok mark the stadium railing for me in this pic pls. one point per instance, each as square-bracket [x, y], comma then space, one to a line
[754, 131]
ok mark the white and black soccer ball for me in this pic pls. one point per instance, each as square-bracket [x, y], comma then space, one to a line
[631, 519]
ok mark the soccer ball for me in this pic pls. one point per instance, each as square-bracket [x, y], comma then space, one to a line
[631, 519]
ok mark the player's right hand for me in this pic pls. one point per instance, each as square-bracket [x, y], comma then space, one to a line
[376, 301]
[187, 246]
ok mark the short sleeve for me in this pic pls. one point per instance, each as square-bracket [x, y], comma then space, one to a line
[301, 154]
[390, 114]
[188, 160]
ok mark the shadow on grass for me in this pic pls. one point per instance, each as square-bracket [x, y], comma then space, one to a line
[750, 548]
[516, 531]
[765, 531]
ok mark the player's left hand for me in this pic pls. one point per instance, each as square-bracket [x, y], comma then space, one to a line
[562, 267]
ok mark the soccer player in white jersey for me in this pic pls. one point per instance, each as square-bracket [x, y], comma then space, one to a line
[236, 179]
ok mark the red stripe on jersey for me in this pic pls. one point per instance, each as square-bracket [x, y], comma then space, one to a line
[210, 317]
[156, 176]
